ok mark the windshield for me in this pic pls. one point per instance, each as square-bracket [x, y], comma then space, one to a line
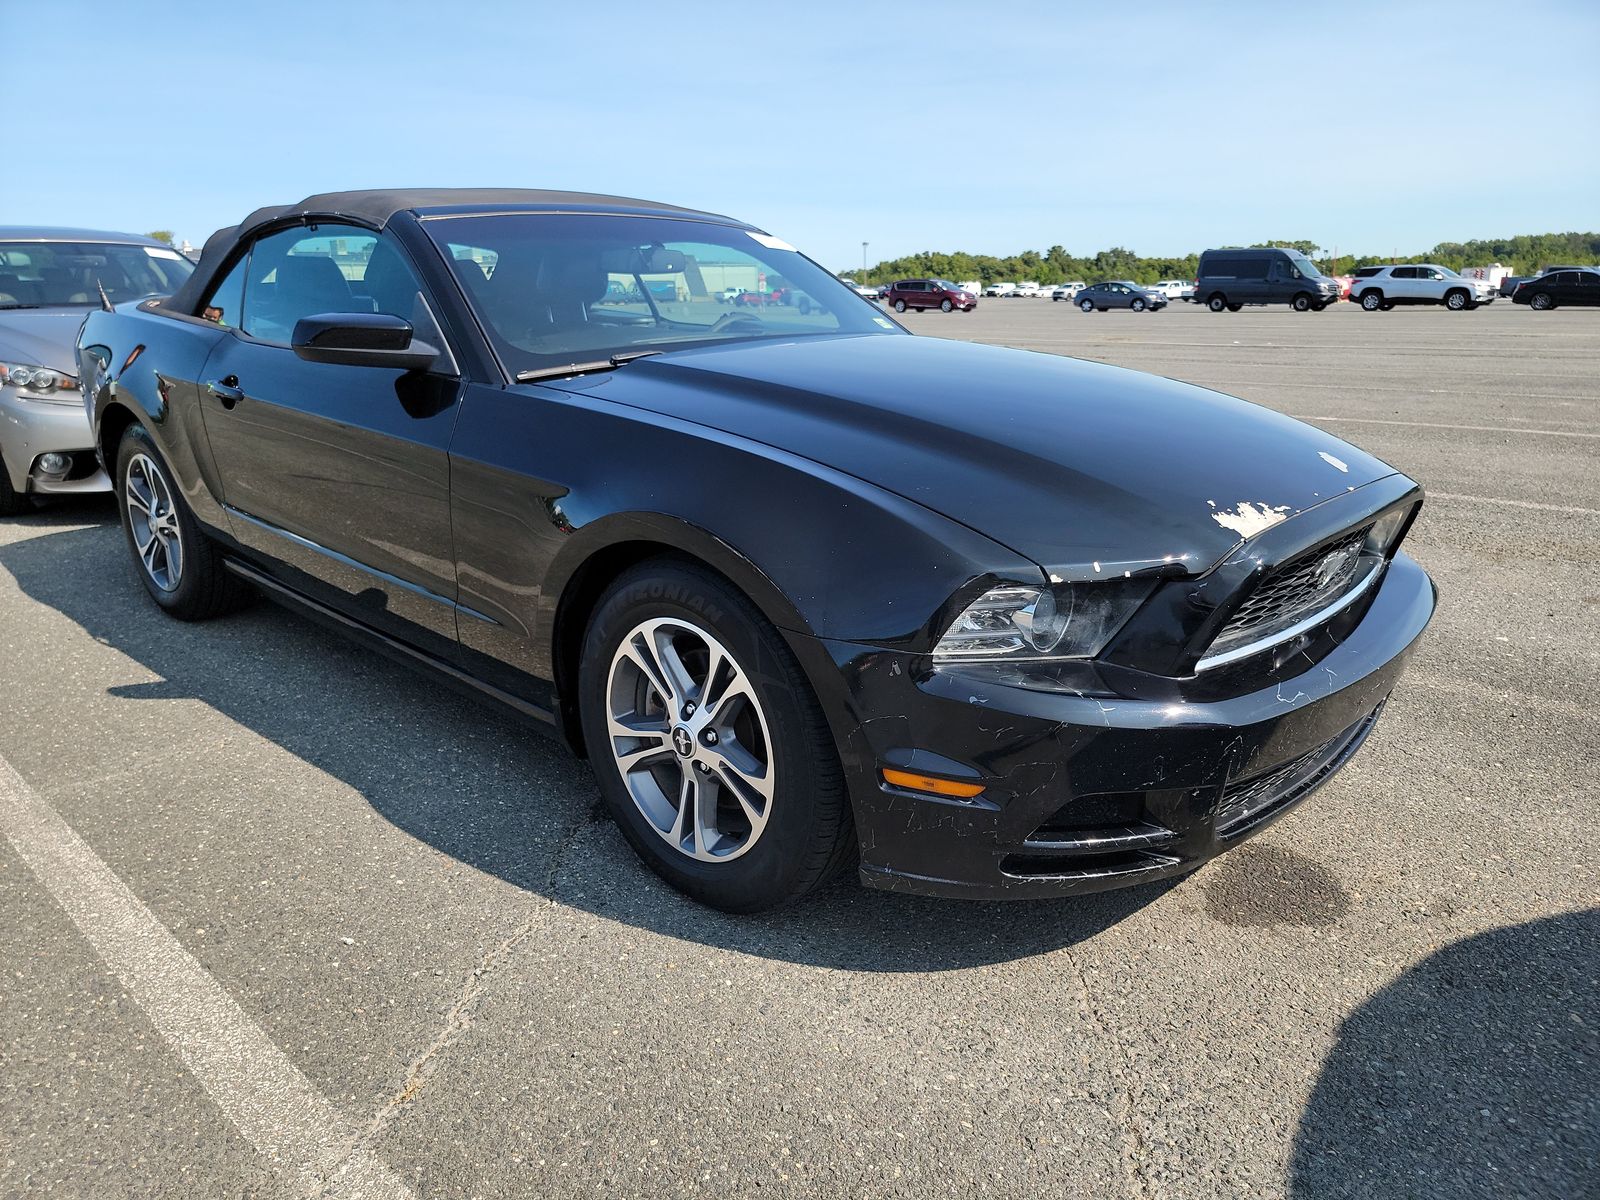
[558, 288]
[37, 274]
[1305, 266]
[946, 285]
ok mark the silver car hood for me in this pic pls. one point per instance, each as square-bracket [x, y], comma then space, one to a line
[42, 337]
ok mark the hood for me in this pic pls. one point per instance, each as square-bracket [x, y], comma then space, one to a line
[42, 337]
[1088, 470]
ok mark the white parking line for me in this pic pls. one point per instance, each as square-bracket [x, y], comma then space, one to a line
[265, 1096]
[1571, 433]
[1572, 509]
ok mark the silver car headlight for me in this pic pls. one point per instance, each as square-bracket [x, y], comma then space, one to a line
[1017, 623]
[40, 383]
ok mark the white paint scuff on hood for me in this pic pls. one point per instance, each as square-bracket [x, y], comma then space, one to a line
[1250, 519]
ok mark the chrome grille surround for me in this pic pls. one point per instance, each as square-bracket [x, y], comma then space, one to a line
[1302, 593]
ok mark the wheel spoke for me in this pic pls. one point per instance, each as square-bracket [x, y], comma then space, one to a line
[642, 657]
[748, 780]
[148, 553]
[666, 652]
[705, 816]
[686, 805]
[632, 760]
[173, 546]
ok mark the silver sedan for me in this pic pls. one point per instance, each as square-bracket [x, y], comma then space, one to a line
[49, 279]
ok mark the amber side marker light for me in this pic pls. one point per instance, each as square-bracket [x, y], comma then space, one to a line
[928, 783]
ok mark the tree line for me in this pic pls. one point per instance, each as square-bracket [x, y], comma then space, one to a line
[1524, 255]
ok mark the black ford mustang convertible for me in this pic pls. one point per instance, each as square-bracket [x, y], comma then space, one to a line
[806, 589]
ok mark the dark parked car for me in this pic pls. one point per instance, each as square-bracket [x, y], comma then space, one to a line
[1230, 279]
[923, 294]
[1570, 285]
[807, 591]
[1121, 293]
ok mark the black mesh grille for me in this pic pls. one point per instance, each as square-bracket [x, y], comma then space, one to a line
[1247, 799]
[1303, 585]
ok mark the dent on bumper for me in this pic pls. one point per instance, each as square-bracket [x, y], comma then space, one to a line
[1087, 792]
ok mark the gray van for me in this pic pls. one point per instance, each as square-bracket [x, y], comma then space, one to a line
[1230, 279]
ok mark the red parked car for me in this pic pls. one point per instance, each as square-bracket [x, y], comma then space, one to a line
[929, 293]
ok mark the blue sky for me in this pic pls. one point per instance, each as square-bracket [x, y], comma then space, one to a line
[1162, 127]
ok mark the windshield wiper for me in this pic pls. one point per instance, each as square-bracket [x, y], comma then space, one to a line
[585, 368]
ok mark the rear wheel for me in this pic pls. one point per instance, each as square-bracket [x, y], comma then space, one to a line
[1086, 305]
[1217, 303]
[1541, 301]
[1301, 302]
[1235, 307]
[12, 502]
[178, 564]
[1372, 300]
[711, 751]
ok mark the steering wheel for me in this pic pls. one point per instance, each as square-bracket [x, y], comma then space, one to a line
[727, 321]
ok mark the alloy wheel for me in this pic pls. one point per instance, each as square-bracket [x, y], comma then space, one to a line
[1540, 301]
[153, 521]
[690, 739]
[1456, 301]
[1372, 301]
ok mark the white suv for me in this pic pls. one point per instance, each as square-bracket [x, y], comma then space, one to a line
[1377, 288]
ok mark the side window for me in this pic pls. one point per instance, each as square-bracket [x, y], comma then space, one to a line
[1252, 268]
[308, 270]
[227, 299]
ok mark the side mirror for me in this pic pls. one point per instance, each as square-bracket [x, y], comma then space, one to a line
[361, 340]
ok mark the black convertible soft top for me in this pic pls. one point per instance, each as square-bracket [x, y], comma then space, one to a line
[376, 208]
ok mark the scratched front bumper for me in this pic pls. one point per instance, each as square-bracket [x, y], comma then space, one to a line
[1164, 766]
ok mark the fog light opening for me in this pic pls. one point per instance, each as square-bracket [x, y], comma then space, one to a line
[53, 465]
[911, 781]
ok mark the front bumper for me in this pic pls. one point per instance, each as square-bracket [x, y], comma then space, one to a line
[29, 428]
[1084, 793]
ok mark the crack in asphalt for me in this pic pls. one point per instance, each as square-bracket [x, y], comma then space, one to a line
[458, 1018]
[1134, 1149]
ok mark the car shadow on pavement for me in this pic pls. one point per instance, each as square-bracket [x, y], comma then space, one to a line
[482, 787]
[1476, 1073]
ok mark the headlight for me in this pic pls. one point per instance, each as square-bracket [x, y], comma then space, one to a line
[1381, 537]
[1029, 624]
[41, 383]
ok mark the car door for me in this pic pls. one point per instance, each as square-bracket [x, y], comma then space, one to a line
[1405, 286]
[1585, 288]
[337, 476]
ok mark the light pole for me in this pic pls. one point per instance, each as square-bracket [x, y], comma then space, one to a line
[863, 258]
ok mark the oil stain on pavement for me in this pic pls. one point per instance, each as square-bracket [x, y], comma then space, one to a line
[1263, 885]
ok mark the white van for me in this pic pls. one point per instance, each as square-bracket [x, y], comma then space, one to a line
[1000, 289]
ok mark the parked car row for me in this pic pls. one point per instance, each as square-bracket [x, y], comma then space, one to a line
[1229, 280]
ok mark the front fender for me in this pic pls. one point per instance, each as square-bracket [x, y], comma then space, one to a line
[136, 366]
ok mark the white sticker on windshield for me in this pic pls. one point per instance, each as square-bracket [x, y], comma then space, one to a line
[161, 252]
[770, 242]
[885, 322]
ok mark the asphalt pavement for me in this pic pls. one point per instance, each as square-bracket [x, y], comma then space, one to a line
[280, 918]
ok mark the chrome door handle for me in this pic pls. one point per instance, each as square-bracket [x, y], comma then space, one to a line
[225, 391]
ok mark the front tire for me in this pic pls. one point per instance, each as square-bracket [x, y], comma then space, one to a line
[1457, 300]
[1138, 305]
[1301, 302]
[179, 565]
[708, 743]
[945, 306]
